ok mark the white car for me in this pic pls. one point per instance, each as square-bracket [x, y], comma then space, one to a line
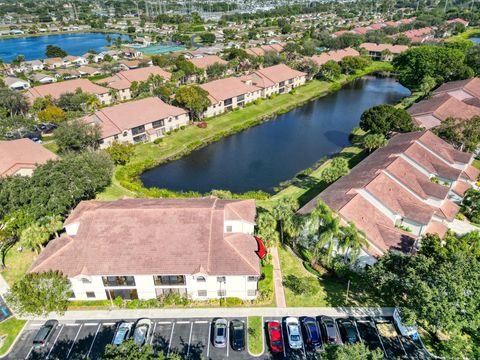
[293, 331]
[142, 328]
[122, 333]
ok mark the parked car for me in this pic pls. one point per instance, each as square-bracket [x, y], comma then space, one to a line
[294, 335]
[348, 331]
[142, 328]
[329, 330]
[220, 333]
[44, 334]
[237, 335]
[275, 336]
[122, 333]
[312, 331]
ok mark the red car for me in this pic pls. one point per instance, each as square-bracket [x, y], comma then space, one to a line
[275, 336]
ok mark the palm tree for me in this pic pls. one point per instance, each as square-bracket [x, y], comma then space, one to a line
[351, 241]
[34, 236]
[91, 103]
[53, 224]
[283, 212]
[323, 228]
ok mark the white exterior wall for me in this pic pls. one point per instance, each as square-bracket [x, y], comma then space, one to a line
[220, 108]
[171, 123]
[234, 286]
[24, 172]
[239, 227]
[105, 99]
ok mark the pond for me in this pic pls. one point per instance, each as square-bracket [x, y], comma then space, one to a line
[261, 157]
[475, 39]
[34, 47]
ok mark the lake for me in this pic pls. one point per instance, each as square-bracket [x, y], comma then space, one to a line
[475, 39]
[262, 157]
[34, 47]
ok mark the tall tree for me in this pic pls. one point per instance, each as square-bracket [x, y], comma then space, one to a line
[40, 294]
[283, 212]
[385, 118]
[55, 51]
[77, 136]
[193, 98]
[351, 241]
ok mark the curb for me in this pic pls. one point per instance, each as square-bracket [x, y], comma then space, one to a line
[263, 341]
[14, 341]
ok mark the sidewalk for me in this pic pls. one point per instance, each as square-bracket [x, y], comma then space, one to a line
[214, 312]
[277, 279]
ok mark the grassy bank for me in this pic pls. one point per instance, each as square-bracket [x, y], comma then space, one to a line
[255, 335]
[324, 291]
[465, 35]
[10, 328]
[125, 179]
[48, 33]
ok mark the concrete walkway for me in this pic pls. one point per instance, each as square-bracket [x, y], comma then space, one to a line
[214, 312]
[277, 279]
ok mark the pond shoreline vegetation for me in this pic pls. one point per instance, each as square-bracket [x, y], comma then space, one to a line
[126, 181]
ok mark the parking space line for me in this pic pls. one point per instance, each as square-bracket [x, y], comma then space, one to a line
[74, 341]
[358, 331]
[72, 324]
[338, 332]
[183, 322]
[93, 341]
[55, 341]
[28, 355]
[153, 333]
[163, 322]
[90, 324]
[379, 338]
[170, 340]
[228, 347]
[35, 325]
[108, 324]
[201, 322]
[301, 337]
[400, 340]
[209, 338]
[189, 339]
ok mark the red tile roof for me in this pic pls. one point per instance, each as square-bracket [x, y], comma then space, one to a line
[206, 61]
[388, 179]
[115, 119]
[335, 55]
[223, 89]
[22, 154]
[272, 75]
[124, 79]
[153, 237]
[55, 90]
[394, 49]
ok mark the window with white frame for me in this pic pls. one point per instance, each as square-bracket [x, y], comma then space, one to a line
[202, 293]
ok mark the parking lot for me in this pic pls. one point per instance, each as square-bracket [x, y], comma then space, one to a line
[192, 339]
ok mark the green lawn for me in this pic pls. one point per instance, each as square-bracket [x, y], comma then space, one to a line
[255, 337]
[326, 291]
[17, 264]
[52, 146]
[476, 163]
[184, 141]
[11, 328]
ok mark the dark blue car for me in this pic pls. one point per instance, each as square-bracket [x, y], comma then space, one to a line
[313, 332]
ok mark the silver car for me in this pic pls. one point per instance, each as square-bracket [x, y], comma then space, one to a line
[293, 331]
[220, 333]
[142, 328]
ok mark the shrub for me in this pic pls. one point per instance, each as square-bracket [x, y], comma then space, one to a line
[233, 301]
[158, 141]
